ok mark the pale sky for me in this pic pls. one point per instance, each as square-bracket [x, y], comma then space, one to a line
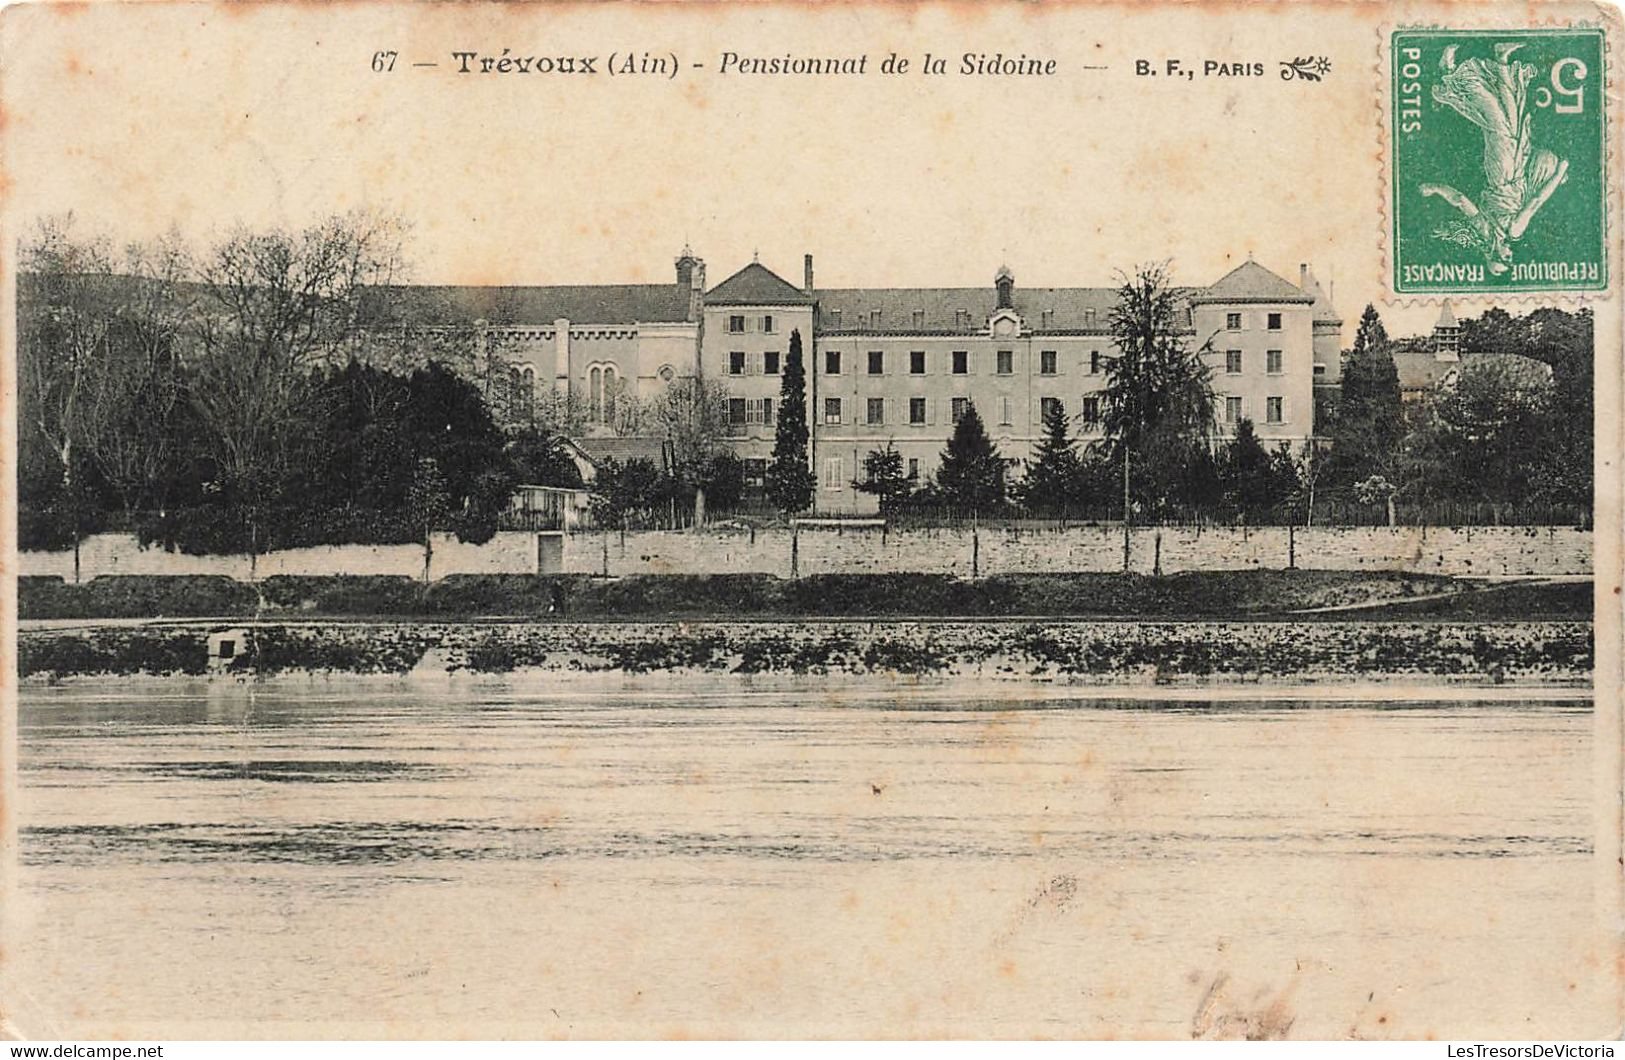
[137, 117]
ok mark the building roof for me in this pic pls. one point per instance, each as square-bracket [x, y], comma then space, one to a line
[626, 304]
[1420, 369]
[1251, 282]
[622, 449]
[1324, 311]
[1447, 316]
[756, 284]
[1078, 310]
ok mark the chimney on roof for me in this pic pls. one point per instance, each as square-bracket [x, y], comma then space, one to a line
[1303, 275]
[1005, 281]
[806, 270]
[685, 268]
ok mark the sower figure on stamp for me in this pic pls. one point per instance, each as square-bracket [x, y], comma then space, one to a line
[1518, 177]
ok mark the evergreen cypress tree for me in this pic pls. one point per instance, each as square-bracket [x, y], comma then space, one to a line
[1370, 422]
[1053, 481]
[789, 479]
[971, 474]
[1248, 475]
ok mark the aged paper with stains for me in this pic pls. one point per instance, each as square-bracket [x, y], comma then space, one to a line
[864, 814]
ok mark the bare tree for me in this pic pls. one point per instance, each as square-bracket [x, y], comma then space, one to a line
[66, 310]
[130, 418]
[275, 305]
[691, 413]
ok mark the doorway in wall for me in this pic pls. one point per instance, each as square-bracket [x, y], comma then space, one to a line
[550, 553]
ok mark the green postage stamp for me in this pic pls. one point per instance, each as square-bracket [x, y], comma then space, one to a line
[1498, 177]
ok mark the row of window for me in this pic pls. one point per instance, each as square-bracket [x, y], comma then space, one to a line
[1273, 364]
[742, 411]
[738, 324]
[959, 362]
[739, 362]
[873, 318]
[1233, 322]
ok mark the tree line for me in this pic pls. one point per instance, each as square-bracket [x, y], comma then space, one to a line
[215, 401]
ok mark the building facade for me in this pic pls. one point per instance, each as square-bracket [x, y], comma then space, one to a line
[884, 366]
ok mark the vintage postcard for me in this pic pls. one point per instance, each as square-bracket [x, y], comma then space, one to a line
[778, 520]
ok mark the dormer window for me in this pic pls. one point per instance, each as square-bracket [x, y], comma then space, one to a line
[874, 318]
[834, 318]
[1088, 318]
[962, 318]
[919, 319]
[1047, 318]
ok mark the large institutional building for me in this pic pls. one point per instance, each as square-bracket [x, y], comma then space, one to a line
[884, 365]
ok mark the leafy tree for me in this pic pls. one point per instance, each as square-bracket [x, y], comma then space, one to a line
[1565, 341]
[543, 459]
[723, 480]
[971, 472]
[1159, 403]
[1488, 439]
[885, 477]
[789, 478]
[622, 490]
[1370, 420]
[1054, 482]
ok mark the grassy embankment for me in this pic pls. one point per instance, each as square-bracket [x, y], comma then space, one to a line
[1205, 594]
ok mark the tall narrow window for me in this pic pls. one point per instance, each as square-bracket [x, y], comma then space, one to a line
[832, 362]
[736, 362]
[1091, 410]
[877, 362]
[1232, 362]
[770, 362]
[1274, 410]
[1232, 321]
[877, 411]
[961, 362]
[1094, 362]
[767, 324]
[1007, 362]
[1232, 410]
[959, 407]
[1048, 407]
[1272, 362]
[833, 473]
[832, 411]
[916, 362]
[916, 410]
[1046, 362]
[736, 324]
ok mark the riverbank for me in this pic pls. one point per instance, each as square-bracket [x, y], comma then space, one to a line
[1135, 652]
[1251, 594]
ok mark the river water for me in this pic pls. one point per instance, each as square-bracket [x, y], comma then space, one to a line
[369, 856]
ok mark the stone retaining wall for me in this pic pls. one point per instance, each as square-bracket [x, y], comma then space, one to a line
[1459, 551]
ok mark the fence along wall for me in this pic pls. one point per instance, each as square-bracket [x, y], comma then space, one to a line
[1483, 551]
